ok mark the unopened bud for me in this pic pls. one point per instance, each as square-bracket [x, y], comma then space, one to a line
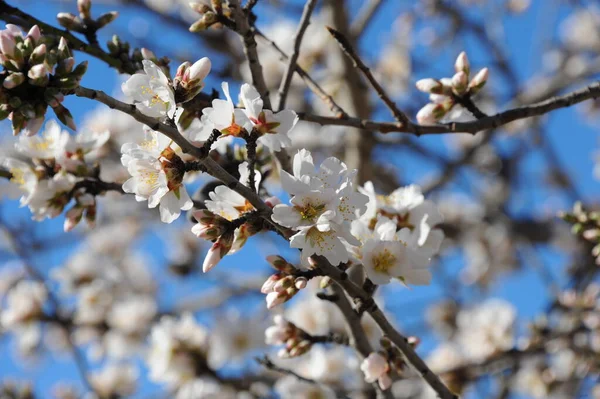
[430, 114]
[300, 282]
[200, 7]
[72, 218]
[280, 264]
[7, 44]
[198, 72]
[13, 80]
[38, 75]
[206, 21]
[84, 7]
[80, 70]
[430, 86]
[459, 83]
[70, 21]
[218, 250]
[64, 115]
[33, 126]
[462, 63]
[478, 81]
[34, 33]
[38, 54]
[148, 54]
[106, 19]
[268, 285]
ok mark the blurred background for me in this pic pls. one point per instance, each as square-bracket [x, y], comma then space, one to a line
[510, 274]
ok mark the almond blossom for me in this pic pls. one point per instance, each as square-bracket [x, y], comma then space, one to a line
[151, 91]
[375, 367]
[23, 180]
[323, 205]
[48, 145]
[51, 196]
[272, 127]
[157, 176]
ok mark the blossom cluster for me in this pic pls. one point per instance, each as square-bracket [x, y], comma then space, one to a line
[57, 169]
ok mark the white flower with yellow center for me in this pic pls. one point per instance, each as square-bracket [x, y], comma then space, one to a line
[151, 92]
[23, 180]
[48, 145]
[408, 208]
[386, 254]
[51, 195]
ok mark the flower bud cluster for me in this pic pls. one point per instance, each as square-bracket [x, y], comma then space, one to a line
[84, 23]
[280, 287]
[445, 92]
[37, 71]
[286, 333]
[209, 11]
[189, 79]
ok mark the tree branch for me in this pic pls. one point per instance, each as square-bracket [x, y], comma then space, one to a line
[291, 66]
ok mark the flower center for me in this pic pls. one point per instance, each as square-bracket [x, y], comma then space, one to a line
[383, 261]
[18, 176]
[247, 207]
[310, 211]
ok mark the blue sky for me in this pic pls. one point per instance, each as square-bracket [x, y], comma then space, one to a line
[524, 36]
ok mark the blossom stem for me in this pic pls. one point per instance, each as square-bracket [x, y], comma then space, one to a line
[467, 103]
[251, 153]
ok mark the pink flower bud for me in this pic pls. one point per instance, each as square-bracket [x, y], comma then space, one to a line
[218, 250]
[38, 53]
[479, 80]
[62, 44]
[84, 7]
[7, 43]
[199, 71]
[73, 217]
[459, 83]
[300, 282]
[33, 126]
[275, 298]
[429, 85]
[38, 71]
[200, 6]
[34, 33]
[13, 30]
[148, 54]
[430, 114]
[13, 80]
[181, 70]
[462, 63]
[269, 284]
[374, 366]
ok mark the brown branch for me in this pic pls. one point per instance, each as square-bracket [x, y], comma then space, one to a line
[367, 303]
[212, 167]
[348, 49]
[489, 122]
[310, 82]
[291, 66]
[243, 27]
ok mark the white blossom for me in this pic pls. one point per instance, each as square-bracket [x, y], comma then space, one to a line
[114, 380]
[273, 127]
[48, 145]
[151, 91]
[23, 180]
[51, 195]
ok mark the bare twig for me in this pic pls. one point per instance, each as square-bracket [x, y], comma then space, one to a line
[367, 302]
[365, 16]
[310, 82]
[358, 62]
[243, 27]
[291, 66]
[488, 122]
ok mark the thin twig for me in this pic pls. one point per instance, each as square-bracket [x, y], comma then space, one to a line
[243, 27]
[348, 49]
[386, 327]
[365, 16]
[472, 127]
[310, 82]
[291, 66]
